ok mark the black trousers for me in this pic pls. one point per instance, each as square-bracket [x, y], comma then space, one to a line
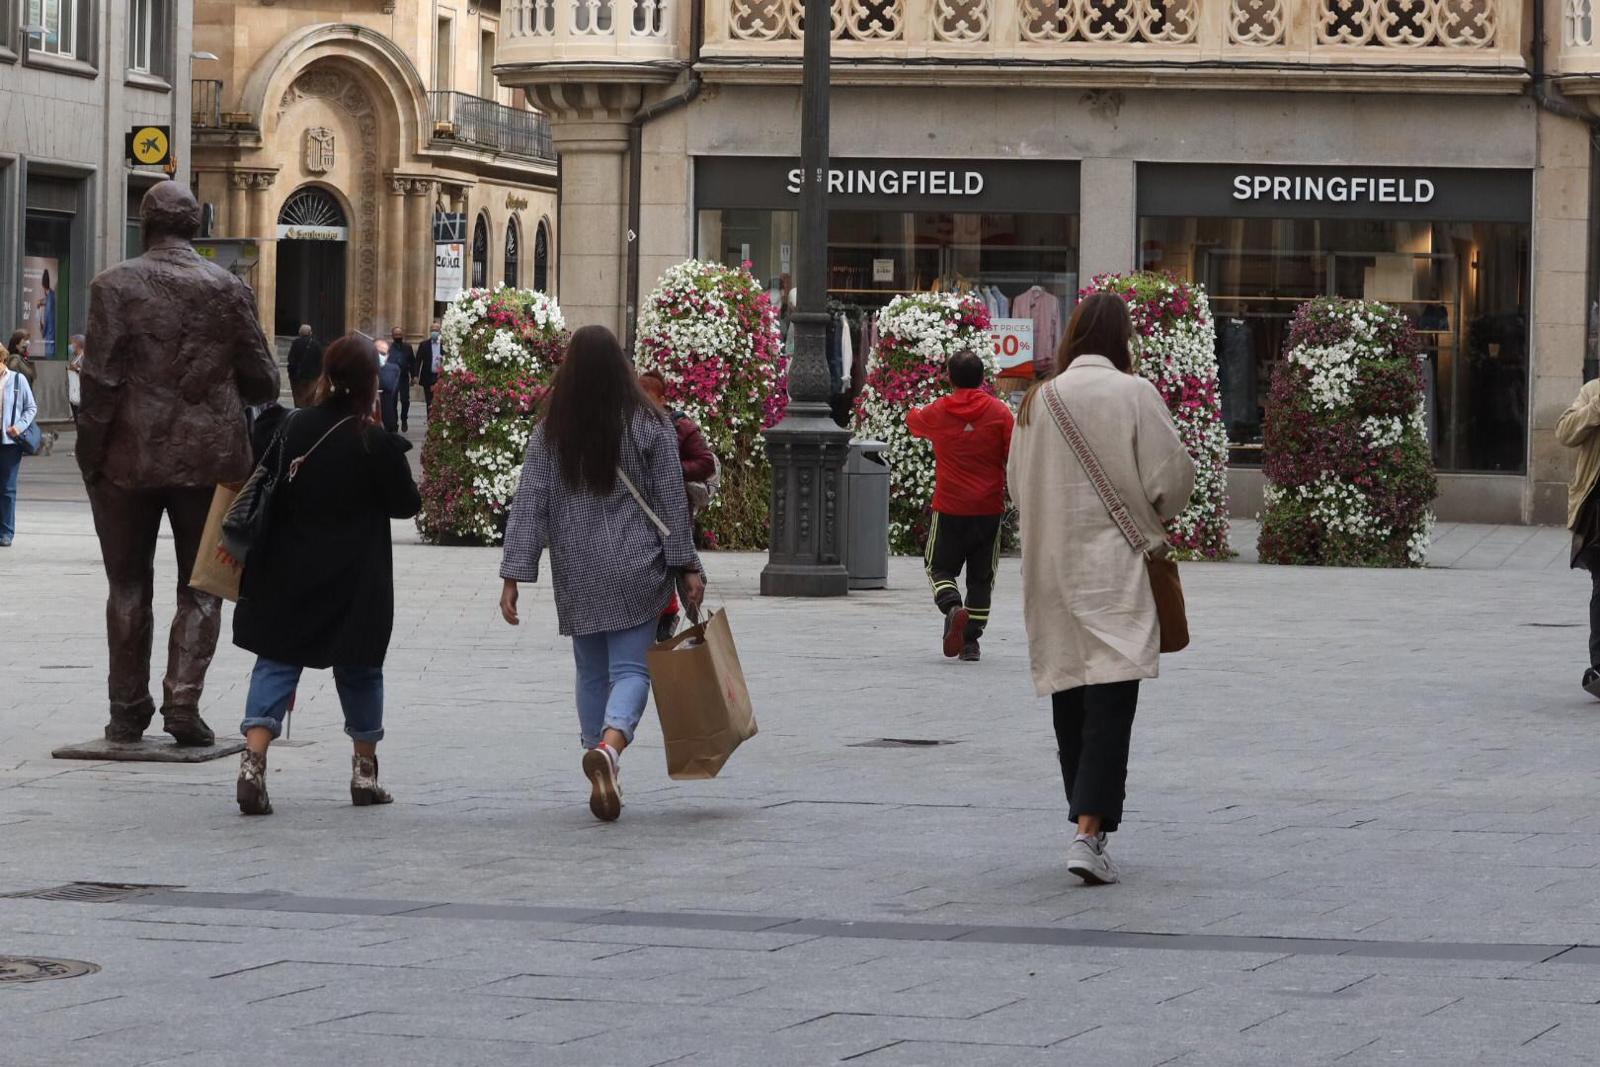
[969, 543]
[1094, 726]
[405, 401]
[1594, 620]
[427, 398]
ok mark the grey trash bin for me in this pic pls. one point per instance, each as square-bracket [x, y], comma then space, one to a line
[866, 536]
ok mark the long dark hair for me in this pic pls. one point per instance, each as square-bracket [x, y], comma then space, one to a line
[591, 404]
[1100, 326]
[349, 382]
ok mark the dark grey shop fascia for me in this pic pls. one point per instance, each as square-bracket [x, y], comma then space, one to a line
[1256, 191]
[1044, 187]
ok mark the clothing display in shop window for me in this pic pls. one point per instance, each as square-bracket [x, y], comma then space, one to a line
[1497, 382]
[846, 355]
[835, 355]
[1044, 309]
[1236, 376]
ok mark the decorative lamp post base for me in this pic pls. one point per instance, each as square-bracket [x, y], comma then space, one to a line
[807, 451]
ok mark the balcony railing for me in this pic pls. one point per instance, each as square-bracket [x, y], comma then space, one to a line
[478, 123]
[590, 30]
[205, 96]
[1360, 31]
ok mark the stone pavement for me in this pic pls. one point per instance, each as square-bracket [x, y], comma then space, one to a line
[1364, 829]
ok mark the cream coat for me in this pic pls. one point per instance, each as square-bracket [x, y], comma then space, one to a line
[1085, 592]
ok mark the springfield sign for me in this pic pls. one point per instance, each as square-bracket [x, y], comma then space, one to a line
[864, 181]
[1334, 188]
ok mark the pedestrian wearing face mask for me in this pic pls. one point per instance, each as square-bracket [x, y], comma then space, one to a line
[430, 361]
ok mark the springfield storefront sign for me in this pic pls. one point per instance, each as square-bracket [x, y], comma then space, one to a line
[954, 185]
[1420, 193]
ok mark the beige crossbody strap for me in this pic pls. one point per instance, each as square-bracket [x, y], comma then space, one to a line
[1091, 466]
[651, 515]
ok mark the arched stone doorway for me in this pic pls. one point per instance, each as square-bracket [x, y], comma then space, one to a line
[541, 257]
[313, 252]
[513, 253]
[480, 253]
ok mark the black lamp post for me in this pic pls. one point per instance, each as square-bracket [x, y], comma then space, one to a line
[808, 449]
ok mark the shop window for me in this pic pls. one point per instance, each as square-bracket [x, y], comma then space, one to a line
[61, 28]
[480, 253]
[541, 258]
[513, 254]
[148, 49]
[47, 282]
[1464, 285]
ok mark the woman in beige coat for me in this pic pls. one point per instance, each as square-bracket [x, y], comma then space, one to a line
[1091, 618]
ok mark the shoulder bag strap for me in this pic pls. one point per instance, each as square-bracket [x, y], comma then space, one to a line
[1091, 466]
[294, 464]
[655, 519]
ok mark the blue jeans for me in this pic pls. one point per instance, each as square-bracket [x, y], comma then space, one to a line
[10, 463]
[613, 681]
[273, 683]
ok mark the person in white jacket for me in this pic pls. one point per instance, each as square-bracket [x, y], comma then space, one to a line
[17, 412]
[1093, 633]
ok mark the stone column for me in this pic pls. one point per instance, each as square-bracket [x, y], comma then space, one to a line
[263, 227]
[419, 257]
[237, 224]
[391, 265]
[1109, 238]
[594, 203]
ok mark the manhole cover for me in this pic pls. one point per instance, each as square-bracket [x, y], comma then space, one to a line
[903, 742]
[39, 969]
[86, 892]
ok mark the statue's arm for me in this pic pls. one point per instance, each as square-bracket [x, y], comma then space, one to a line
[255, 369]
[100, 379]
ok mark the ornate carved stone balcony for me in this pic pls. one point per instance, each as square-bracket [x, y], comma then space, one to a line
[1463, 44]
[1448, 45]
[1578, 67]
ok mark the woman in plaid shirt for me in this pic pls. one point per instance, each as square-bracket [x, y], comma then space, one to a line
[602, 490]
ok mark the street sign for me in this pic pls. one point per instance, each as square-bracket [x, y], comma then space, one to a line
[150, 146]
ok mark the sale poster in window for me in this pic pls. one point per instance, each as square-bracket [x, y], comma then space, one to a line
[1013, 347]
[40, 277]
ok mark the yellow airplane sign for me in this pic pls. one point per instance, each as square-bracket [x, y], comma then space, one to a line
[150, 146]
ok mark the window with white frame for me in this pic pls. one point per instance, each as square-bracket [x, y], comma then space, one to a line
[57, 27]
[149, 48]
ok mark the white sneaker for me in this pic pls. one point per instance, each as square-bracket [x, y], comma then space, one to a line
[1086, 858]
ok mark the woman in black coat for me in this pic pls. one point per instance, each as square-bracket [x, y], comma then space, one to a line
[318, 591]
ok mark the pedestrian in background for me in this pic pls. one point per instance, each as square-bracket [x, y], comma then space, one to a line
[305, 366]
[430, 361]
[318, 591]
[17, 412]
[699, 467]
[1093, 633]
[602, 489]
[17, 357]
[1579, 429]
[971, 435]
[389, 376]
[75, 375]
[401, 355]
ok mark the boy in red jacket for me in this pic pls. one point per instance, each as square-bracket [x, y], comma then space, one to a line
[971, 435]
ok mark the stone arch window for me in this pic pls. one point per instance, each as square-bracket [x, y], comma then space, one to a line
[541, 257]
[312, 208]
[513, 253]
[480, 253]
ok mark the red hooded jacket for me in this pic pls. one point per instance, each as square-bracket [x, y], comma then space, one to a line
[971, 435]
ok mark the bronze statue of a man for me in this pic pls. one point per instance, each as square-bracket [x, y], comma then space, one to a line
[174, 355]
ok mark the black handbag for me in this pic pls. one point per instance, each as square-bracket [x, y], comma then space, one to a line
[245, 524]
[32, 439]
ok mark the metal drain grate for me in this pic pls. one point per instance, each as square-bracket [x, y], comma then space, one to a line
[39, 969]
[903, 742]
[87, 892]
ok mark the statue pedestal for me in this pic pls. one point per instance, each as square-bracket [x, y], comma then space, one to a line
[150, 750]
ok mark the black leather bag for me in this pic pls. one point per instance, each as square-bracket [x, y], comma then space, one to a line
[245, 524]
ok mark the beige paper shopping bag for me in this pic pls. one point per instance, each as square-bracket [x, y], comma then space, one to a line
[214, 571]
[702, 698]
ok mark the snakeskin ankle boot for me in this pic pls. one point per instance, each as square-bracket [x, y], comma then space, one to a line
[252, 787]
[364, 787]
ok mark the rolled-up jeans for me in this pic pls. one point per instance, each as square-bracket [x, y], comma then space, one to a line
[613, 681]
[272, 686]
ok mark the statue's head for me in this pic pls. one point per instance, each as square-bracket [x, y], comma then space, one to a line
[169, 209]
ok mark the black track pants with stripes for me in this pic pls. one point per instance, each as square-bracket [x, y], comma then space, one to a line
[969, 543]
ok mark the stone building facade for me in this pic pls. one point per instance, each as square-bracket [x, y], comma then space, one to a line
[75, 79]
[335, 143]
[1434, 155]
